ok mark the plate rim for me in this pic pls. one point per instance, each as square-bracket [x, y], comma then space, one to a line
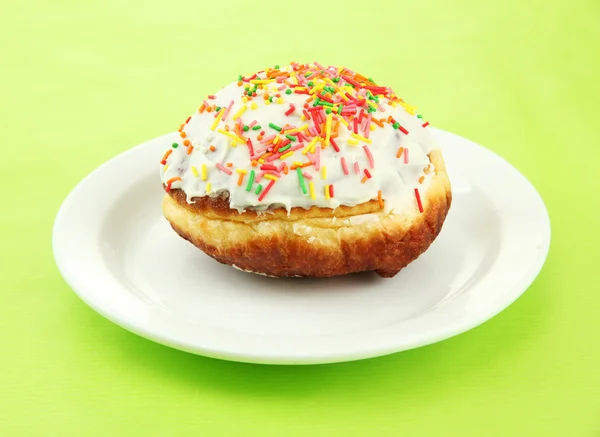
[456, 327]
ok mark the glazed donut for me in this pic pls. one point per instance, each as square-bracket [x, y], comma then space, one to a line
[307, 171]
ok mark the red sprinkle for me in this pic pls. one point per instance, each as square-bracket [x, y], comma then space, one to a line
[335, 146]
[290, 110]
[306, 114]
[331, 191]
[265, 191]
[426, 124]
[250, 147]
[188, 120]
[403, 130]
[268, 167]
[367, 173]
[418, 196]
[355, 125]
[211, 97]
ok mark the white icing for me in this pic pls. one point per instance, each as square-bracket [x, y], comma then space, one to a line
[391, 175]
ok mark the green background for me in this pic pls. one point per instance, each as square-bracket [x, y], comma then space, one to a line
[82, 82]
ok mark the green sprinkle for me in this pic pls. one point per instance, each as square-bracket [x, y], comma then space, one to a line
[335, 79]
[340, 108]
[283, 149]
[250, 181]
[310, 83]
[371, 80]
[328, 111]
[247, 87]
[396, 125]
[175, 145]
[288, 91]
[274, 126]
[420, 116]
[323, 102]
[271, 99]
[317, 102]
[330, 89]
[240, 78]
[301, 179]
[258, 189]
[256, 127]
[290, 137]
[277, 67]
[309, 74]
[217, 109]
[246, 128]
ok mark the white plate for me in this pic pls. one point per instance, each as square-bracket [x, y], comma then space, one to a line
[119, 254]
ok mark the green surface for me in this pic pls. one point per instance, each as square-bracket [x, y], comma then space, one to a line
[82, 82]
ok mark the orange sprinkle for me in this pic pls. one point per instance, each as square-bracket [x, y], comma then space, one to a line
[239, 83]
[227, 127]
[364, 180]
[259, 137]
[379, 198]
[176, 178]
[167, 153]
[209, 109]
[377, 122]
[400, 151]
[421, 179]
[240, 179]
[201, 108]
[236, 129]
[266, 96]
[229, 164]
[389, 119]
[182, 134]
[186, 142]
[285, 168]
[254, 163]
[180, 128]
[189, 149]
[212, 148]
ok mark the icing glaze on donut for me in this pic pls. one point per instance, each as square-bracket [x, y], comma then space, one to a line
[301, 136]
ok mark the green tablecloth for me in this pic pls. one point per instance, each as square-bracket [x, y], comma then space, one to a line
[82, 82]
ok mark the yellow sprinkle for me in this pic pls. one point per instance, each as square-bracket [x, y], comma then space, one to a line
[394, 104]
[327, 192]
[270, 177]
[245, 99]
[324, 173]
[344, 121]
[361, 138]
[276, 139]
[352, 142]
[311, 187]
[234, 144]
[262, 81]
[166, 167]
[371, 104]
[267, 102]
[241, 171]
[233, 136]
[208, 187]
[328, 128]
[261, 161]
[302, 117]
[299, 129]
[372, 127]
[203, 172]
[218, 119]
[195, 171]
[254, 105]
[310, 146]
[240, 112]
[287, 155]
[280, 100]
[297, 163]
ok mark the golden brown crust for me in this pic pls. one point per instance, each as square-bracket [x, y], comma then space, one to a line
[319, 242]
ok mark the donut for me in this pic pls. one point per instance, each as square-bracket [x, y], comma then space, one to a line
[306, 171]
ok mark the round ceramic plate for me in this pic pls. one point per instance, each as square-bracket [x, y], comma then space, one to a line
[119, 254]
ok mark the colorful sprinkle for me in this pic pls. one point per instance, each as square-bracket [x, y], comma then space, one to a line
[204, 172]
[301, 180]
[419, 203]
